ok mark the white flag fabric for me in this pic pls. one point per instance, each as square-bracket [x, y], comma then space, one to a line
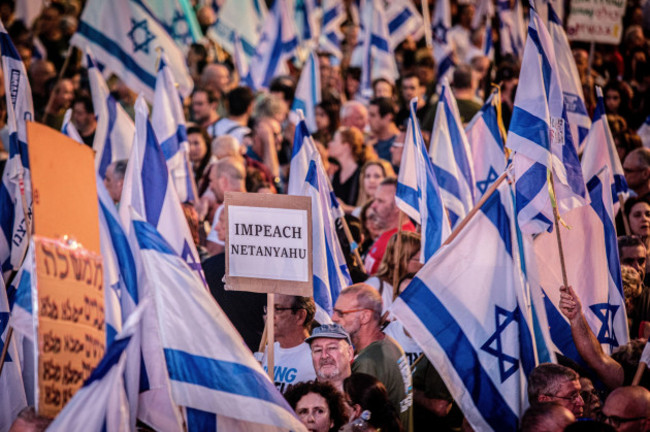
[308, 178]
[308, 91]
[373, 52]
[19, 293]
[230, 21]
[404, 20]
[600, 151]
[538, 136]
[101, 403]
[467, 309]
[306, 14]
[126, 36]
[331, 35]
[68, 128]
[240, 59]
[115, 129]
[149, 189]
[452, 158]
[179, 19]
[276, 46]
[593, 270]
[486, 143]
[418, 194]
[483, 17]
[16, 185]
[443, 50]
[574, 100]
[213, 374]
[512, 29]
[168, 121]
[644, 132]
[12, 389]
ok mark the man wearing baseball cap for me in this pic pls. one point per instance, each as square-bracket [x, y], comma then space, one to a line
[332, 354]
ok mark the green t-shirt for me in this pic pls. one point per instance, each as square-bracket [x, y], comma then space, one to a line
[385, 360]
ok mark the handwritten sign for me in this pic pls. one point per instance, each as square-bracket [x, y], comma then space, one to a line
[268, 243]
[70, 329]
[599, 21]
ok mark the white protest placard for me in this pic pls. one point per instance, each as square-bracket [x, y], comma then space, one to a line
[268, 243]
[599, 21]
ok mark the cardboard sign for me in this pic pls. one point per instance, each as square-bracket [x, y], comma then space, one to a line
[64, 187]
[268, 243]
[70, 308]
[599, 21]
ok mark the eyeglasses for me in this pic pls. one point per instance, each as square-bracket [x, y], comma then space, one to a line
[572, 397]
[342, 313]
[277, 309]
[633, 170]
[616, 421]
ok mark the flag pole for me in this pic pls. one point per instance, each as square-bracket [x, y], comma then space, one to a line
[71, 50]
[556, 217]
[396, 253]
[5, 348]
[270, 317]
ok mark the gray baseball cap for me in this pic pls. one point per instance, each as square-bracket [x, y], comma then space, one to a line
[332, 331]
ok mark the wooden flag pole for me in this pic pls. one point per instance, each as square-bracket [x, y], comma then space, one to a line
[270, 316]
[5, 348]
[396, 252]
[556, 217]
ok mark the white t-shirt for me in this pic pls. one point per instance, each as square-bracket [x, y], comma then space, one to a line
[292, 365]
[411, 349]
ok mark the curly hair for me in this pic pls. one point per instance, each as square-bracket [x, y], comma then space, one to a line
[410, 245]
[334, 399]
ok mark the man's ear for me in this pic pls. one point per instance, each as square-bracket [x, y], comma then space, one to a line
[544, 398]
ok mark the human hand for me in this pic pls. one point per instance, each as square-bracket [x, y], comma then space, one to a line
[570, 303]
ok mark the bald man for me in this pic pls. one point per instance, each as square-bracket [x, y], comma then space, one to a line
[628, 409]
[546, 417]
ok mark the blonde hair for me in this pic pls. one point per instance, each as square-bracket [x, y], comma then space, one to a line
[410, 245]
[386, 168]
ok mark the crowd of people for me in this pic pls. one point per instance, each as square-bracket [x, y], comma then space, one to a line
[366, 364]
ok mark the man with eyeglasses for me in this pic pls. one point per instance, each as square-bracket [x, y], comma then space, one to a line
[358, 310]
[332, 354]
[628, 409]
[550, 382]
[292, 320]
[636, 167]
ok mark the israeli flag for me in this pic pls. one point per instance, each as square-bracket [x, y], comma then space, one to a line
[179, 19]
[12, 389]
[213, 374]
[149, 189]
[331, 35]
[231, 16]
[468, 310]
[443, 50]
[452, 157]
[512, 29]
[16, 185]
[276, 46]
[483, 16]
[19, 294]
[306, 14]
[115, 129]
[540, 137]
[126, 36]
[404, 20]
[644, 132]
[168, 121]
[68, 128]
[418, 194]
[574, 100]
[308, 178]
[308, 91]
[240, 59]
[485, 136]
[102, 403]
[373, 52]
[593, 270]
[600, 151]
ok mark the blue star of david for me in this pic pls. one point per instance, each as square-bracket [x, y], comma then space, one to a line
[491, 178]
[188, 257]
[605, 312]
[440, 32]
[179, 30]
[503, 319]
[4, 322]
[140, 35]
